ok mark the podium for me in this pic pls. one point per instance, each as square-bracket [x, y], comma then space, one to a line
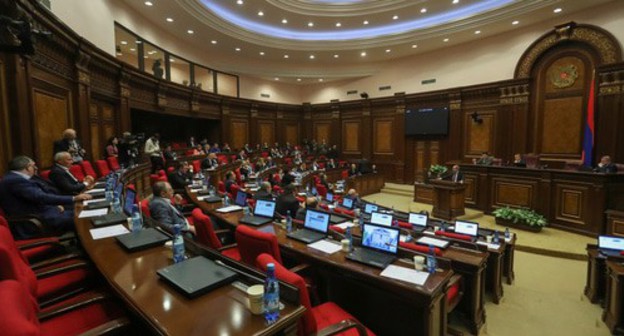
[448, 199]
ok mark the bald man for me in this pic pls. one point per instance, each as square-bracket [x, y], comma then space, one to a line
[605, 165]
[310, 203]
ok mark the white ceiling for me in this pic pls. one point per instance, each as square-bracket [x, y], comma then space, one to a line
[338, 45]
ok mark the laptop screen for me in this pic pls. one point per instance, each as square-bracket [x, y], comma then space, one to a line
[611, 243]
[347, 203]
[317, 221]
[417, 219]
[314, 192]
[385, 239]
[129, 201]
[369, 208]
[467, 228]
[381, 219]
[241, 198]
[264, 208]
[330, 197]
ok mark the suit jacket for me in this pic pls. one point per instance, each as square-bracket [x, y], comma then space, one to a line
[65, 182]
[19, 196]
[460, 176]
[485, 161]
[208, 163]
[285, 203]
[228, 185]
[353, 172]
[163, 212]
[263, 195]
[179, 180]
[287, 179]
[610, 168]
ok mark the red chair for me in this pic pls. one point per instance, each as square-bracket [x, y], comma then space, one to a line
[264, 154]
[77, 171]
[91, 315]
[88, 169]
[344, 174]
[252, 243]
[45, 174]
[102, 167]
[321, 190]
[113, 163]
[207, 235]
[196, 166]
[170, 170]
[287, 161]
[315, 319]
[277, 179]
[190, 152]
[222, 158]
[221, 187]
[145, 208]
[277, 189]
[233, 157]
[157, 178]
[239, 176]
[322, 165]
[38, 248]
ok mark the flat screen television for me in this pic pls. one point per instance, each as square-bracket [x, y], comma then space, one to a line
[426, 121]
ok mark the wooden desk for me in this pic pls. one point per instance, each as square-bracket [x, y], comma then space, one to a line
[596, 275]
[448, 199]
[613, 314]
[366, 184]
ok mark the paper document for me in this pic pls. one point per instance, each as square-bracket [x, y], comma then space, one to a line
[489, 245]
[345, 225]
[326, 246]
[93, 213]
[405, 274]
[432, 241]
[203, 197]
[109, 231]
[87, 202]
[230, 208]
[95, 191]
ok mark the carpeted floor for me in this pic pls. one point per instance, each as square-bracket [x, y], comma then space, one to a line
[547, 296]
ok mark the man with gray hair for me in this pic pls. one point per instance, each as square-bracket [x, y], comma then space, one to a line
[21, 194]
[264, 193]
[310, 203]
[64, 180]
[164, 211]
[70, 144]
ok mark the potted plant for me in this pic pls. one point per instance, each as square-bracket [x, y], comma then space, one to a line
[520, 218]
[436, 171]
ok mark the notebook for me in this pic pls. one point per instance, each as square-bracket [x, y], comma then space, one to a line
[381, 219]
[142, 239]
[610, 246]
[196, 276]
[263, 213]
[315, 227]
[379, 246]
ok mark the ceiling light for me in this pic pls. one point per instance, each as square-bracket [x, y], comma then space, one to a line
[138, 42]
[365, 22]
[396, 17]
[557, 10]
[311, 56]
[144, 56]
[286, 56]
[132, 49]
[276, 78]
[240, 2]
[262, 53]
[414, 46]
[237, 49]
[477, 32]
[320, 79]
[190, 31]
[363, 53]
[124, 42]
[423, 10]
[169, 19]
[338, 24]
[119, 54]
[310, 24]
[171, 60]
[284, 21]
[515, 22]
[336, 55]
[148, 3]
[298, 79]
[455, 2]
[260, 13]
[213, 41]
[388, 50]
[446, 40]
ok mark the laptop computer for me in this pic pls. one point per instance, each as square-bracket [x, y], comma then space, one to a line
[196, 276]
[263, 214]
[241, 198]
[610, 246]
[418, 221]
[467, 228]
[329, 197]
[142, 239]
[370, 207]
[315, 227]
[381, 218]
[115, 218]
[347, 203]
[379, 246]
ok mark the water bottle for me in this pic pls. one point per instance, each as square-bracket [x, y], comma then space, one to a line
[496, 238]
[507, 233]
[137, 221]
[288, 222]
[395, 223]
[361, 217]
[116, 204]
[178, 244]
[226, 201]
[271, 296]
[349, 236]
[431, 260]
[246, 211]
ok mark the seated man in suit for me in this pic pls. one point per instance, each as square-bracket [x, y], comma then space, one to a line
[519, 161]
[210, 162]
[331, 164]
[353, 171]
[484, 160]
[181, 176]
[287, 202]
[456, 175]
[241, 155]
[264, 193]
[287, 178]
[230, 178]
[164, 211]
[63, 179]
[169, 155]
[310, 203]
[21, 193]
[69, 143]
[352, 194]
[605, 165]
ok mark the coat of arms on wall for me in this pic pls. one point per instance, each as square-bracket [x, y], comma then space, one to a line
[564, 76]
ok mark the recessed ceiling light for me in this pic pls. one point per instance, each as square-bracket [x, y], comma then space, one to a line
[446, 40]
[338, 24]
[169, 19]
[284, 21]
[171, 60]
[557, 10]
[320, 79]
[336, 55]
[388, 50]
[237, 49]
[260, 13]
[310, 24]
[119, 54]
[286, 56]
[190, 31]
[363, 53]
[365, 22]
[414, 46]
[138, 42]
[124, 42]
[396, 17]
[213, 41]
[515, 22]
[240, 2]
[298, 79]
[477, 32]
[455, 2]
[423, 10]
[132, 49]
[311, 56]
[144, 56]
[148, 3]
[262, 53]
[276, 78]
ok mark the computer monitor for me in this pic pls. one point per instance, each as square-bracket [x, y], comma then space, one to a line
[264, 208]
[370, 207]
[314, 191]
[347, 203]
[330, 197]
[381, 238]
[129, 201]
[467, 228]
[316, 221]
[381, 219]
[417, 219]
[241, 198]
[611, 243]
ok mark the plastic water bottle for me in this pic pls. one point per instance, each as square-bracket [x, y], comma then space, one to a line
[288, 222]
[271, 296]
[507, 233]
[116, 204]
[395, 223]
[178, 244]
[361, 217]
[431, 260]
[246, 211]
[137, 221]
[496, 238]
[226, 201]
[349, 236]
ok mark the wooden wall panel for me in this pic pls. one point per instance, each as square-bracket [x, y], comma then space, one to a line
[94, 131]
[52, 116]
[570, 205]
[384, 136]
[506, 192]
[479, 136]
[562, 126]
[291, 134]
[322, 131]
[351, 137]
[239, 130]
[5, 132]
[266, 132]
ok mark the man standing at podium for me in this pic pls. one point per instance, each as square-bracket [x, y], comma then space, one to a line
[456, 175]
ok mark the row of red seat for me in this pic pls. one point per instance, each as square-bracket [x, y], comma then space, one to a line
[84, 168]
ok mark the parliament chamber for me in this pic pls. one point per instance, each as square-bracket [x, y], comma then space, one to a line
[409, 128]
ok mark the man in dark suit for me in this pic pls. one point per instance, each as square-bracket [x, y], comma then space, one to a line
[311, 203]
[287, 179]
[605, 165]
[21, 194]
[456, 175]
[230, 179]
[70, 144]
[181, 176]
[210, 162]
[287, 202]
[63, 179]
[353, 171]
[264, 193]
[519, 161]
[164, 211]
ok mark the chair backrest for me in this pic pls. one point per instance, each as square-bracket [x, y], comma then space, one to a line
[77, 171]
[294, 279]
[14, 264]
[532, 160]
[239, 176]
[113, 163]
[204, 229]
[196, 166]
[277, 178]
[45, 174]
[344, 174]
[252, 243]
[221, 187]
[102, 167]
[234, 189]
[321, 190]
[145, 208]
[19, 314]
[88, 168]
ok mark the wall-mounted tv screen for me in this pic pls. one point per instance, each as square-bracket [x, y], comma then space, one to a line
[426, 121]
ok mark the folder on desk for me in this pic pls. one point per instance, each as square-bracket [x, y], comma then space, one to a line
[196, 276]
[143, 239]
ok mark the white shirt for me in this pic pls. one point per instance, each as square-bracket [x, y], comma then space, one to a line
[152, 147]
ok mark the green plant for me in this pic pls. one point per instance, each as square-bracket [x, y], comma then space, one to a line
[437, 169]
[521, 216]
